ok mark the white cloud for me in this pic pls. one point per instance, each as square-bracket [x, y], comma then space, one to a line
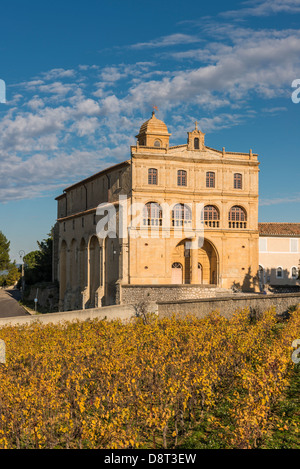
[280, 200]
[85, 126]
[56, 88]
[67, 124]
[263, 63]
[87, 107]
[58, 73]
[265, 8]
[35, 103]
[167, 41]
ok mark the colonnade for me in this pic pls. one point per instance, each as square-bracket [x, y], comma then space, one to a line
[84, 280]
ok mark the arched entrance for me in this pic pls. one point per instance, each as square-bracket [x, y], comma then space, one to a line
[176, 273]
[112, 258]
[94, 270]
[73, 265]
[207, 257]
[62, 270]
[204, 260]
[83, 265]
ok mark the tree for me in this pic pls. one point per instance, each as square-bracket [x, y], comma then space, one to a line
[44, 260]
[13, 275]
[4, 252]
[38, 264]
[31, 273]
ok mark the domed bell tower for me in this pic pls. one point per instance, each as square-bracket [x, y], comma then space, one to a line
[153, 133]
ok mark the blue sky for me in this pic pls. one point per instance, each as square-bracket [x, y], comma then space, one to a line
[81, 77]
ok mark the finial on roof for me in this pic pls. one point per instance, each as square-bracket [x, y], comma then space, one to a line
[196, 125]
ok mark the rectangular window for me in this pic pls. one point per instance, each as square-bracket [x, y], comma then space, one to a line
[294, 245]
[181, 178]
[210, 179]
[263, 245]
[152, 176]
[238, 181]
[119, 180]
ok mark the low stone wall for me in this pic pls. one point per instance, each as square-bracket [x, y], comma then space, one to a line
[133, 294]
[110, 313]
[228, 305]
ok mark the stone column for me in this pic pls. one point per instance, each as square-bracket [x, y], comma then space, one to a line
[194, 261]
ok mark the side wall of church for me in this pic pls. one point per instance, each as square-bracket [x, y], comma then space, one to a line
[87, 266]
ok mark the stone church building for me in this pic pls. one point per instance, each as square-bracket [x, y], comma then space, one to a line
[184, 221]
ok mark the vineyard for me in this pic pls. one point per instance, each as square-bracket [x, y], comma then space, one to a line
[160, 383]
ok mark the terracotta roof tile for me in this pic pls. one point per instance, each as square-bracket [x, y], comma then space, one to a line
[279, 229]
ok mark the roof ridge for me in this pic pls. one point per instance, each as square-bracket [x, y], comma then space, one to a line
[279, 222]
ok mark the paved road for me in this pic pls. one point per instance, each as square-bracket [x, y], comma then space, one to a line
[9, 305]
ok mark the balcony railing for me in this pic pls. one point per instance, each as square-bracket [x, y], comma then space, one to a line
[212, 223]
[238, 224]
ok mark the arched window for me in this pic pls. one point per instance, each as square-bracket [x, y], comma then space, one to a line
[152, 214]
[294, 272]
[181, 178]
[210, 179]
[237, 181]
[157, 143]
[152, 176]
[196, 143]
[211, 216]
[237, 217]
[279, 272]
[181, 215]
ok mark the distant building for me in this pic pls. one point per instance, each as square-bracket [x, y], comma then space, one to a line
[279, 253]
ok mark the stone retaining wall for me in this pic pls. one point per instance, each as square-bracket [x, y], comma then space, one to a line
[133, 294]
[228, 305]
[110, 313]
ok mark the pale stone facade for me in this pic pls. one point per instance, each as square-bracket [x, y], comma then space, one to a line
[170, 192]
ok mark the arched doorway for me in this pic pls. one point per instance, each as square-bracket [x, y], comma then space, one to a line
[206, 262]
[73, 265]
[63, 270]
[207, 257]
[112, 259]
[82, 265]
[94, 269]
[176, 273]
